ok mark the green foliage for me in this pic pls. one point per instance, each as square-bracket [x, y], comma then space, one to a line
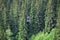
[57, 36]
[43, 36]
[13, 14]
[8, 34]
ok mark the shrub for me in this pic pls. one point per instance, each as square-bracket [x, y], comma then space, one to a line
[43, 36]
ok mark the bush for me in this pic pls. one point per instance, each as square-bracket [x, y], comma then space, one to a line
[43, 36]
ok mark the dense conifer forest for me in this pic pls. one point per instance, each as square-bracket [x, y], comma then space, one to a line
[29, 19]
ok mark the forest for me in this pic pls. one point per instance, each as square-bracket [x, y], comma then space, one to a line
[29, 19]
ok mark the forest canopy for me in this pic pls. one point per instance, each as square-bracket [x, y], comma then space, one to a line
[29, 19]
